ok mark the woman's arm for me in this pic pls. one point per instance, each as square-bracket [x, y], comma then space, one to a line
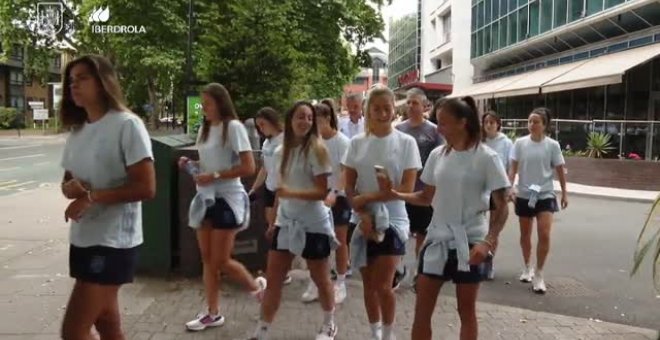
[407, 185]
[561, 175]
[317, 193]
[141, 185]
[422, 198]
[260, 180]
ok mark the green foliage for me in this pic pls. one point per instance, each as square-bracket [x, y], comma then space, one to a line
[512, 135]
[574, 153]
[598, 144]
[649, 240]
[7, 117]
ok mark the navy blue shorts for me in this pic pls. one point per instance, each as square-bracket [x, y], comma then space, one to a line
[392, 244]
[341, 212]
[221, 216]
[269, 198]
[103, 265]
[420, 218]
[542, 205]
[451, 273]
[317, 246]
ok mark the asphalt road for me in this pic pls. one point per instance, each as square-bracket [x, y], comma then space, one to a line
[28, 163]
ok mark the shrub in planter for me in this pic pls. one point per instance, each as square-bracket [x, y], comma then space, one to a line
[598, 144]
[8, 117]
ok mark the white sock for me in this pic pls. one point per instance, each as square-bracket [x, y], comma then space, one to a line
[262, 327]
[387, 332]
[375, 327]
[329, 317]
[341, 278]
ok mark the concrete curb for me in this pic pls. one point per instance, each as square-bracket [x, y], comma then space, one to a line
[609, 197]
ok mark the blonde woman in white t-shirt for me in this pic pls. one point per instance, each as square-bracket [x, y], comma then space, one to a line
[108, 171]
[458, 178]
[220, 208]
[535, 158]
[303, 224]
[380, 221]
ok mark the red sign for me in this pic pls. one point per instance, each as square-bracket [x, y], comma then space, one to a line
[409, 77]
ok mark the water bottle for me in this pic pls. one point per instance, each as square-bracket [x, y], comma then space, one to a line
[191, 168]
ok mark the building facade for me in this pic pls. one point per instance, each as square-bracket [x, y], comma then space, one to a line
[17, 91]
[594, 63]
[368, 76]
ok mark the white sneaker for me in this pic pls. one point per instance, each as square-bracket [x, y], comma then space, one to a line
[201, 322]
[327, 332]
[259, 293]
[538, 285]
[340, 292]
[527, 275]
[311, 294]
[260, 334]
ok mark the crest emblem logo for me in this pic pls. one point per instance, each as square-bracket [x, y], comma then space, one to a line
[50, 17]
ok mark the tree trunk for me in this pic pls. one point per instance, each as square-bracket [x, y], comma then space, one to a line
[155, 104]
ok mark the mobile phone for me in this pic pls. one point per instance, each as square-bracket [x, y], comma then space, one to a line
[380, 170]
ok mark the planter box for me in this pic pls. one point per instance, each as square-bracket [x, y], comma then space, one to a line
[623, 174]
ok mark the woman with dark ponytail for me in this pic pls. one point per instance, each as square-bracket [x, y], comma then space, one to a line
[534, 157]
[460, 238]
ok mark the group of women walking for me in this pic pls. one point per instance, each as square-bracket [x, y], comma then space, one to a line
[360, 197]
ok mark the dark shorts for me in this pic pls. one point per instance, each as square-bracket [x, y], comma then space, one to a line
[341, 211]
[391, 245]
[221, 215]
[269, 198]
[103, 265]
[420, 218]
[451, 273]
[543, 205]
[317, 246]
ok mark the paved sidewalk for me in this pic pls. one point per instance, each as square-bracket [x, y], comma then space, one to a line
[609, 193]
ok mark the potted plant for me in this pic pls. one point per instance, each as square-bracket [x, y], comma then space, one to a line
[598, 144]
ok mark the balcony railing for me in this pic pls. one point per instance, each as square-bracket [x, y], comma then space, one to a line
[628, 137]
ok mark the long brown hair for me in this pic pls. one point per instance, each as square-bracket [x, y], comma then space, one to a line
[270, 115]
[226, 110]
[378, 91]
[325, 110]
[73, 116]
[310, 141]
[462, 108]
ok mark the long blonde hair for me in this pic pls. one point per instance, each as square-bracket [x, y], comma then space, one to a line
[377, 91]
[310, 141]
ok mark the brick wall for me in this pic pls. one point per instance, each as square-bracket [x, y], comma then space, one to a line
[37, 93]
[623, 174]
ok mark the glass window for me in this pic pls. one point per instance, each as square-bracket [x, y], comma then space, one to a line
[496, 36]
[487, 40]
[575, 10]
[489, 11]
[513, 5]
[513, 28]
[594, 6]
[480, 43]
[546, 15]
[503, 35]
[638, 92]
[473, 45]
[474, 18]
[480, 15]
[522, 23]
[615, 102]
[610, 3]
[561, 8]
[656, 75]
[597, 102]
[533, 19]
[496, 9]
[504, 9]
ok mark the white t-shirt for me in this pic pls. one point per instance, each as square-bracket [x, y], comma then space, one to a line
[337, 146]
[99, 154]
[268, 152]
[536, 163]
[214, 155]
[350, 129]
[396, 152]
[463, 182]
[301, 174]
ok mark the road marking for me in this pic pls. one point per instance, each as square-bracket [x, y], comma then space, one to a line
[20, 147]
[15, 185]
[10, 169]
[21, 157]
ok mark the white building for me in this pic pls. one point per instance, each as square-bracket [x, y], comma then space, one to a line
[446, 43]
